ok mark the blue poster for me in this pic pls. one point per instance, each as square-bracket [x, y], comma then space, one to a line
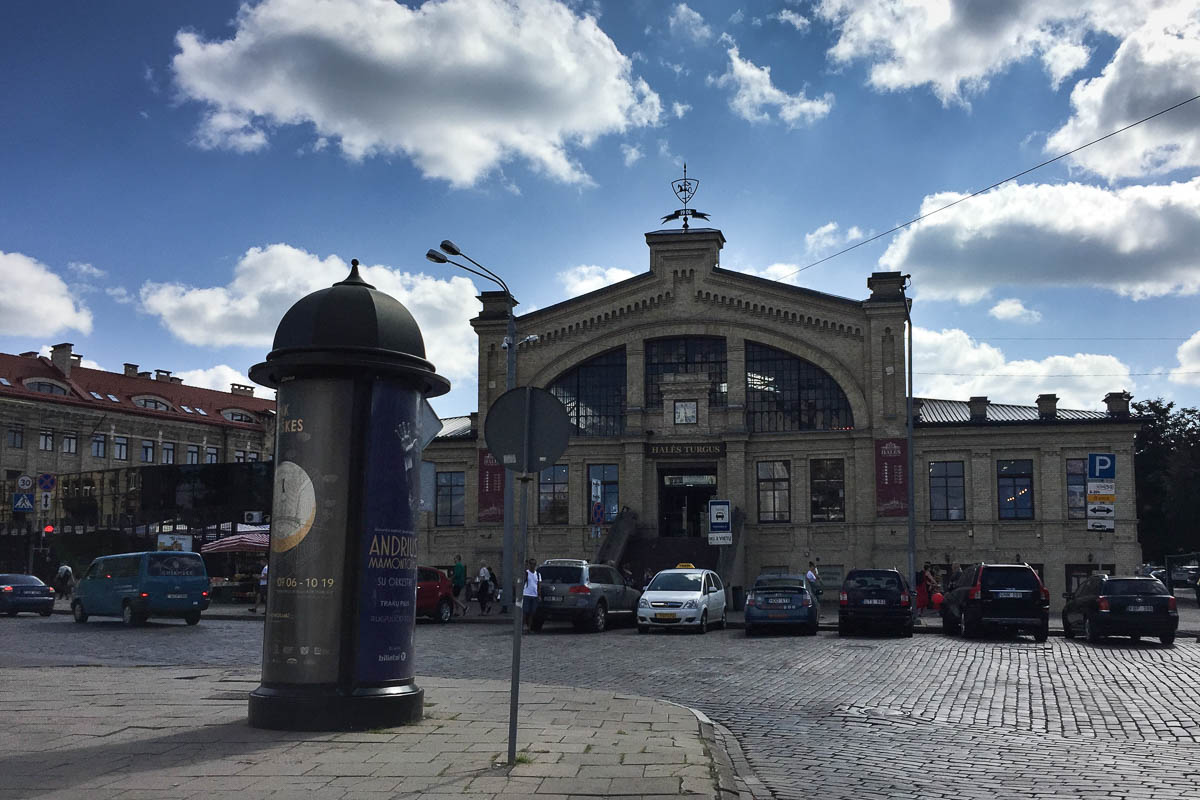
[388, 545]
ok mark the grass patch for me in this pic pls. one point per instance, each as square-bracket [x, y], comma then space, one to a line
[622, 733]
[524, 758]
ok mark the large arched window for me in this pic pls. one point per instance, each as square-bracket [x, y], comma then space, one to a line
[786, 393]
[594, 394]
[692, 355]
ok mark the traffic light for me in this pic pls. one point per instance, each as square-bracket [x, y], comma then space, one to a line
[48, 529]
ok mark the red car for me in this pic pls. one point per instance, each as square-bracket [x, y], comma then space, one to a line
[435, 596]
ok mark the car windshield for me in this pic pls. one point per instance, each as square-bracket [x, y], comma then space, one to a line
[675, 582]
[1009, 578]
[873, 580]
[20, 580]
[561, 574]
[779, 583]
[1130, 586]
[175, 565]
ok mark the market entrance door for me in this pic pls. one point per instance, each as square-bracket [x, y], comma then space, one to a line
[683, 496]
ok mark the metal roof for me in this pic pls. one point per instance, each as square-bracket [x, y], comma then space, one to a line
[456, 428]
[933, 412]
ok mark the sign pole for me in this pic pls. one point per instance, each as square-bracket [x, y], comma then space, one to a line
[518, 611]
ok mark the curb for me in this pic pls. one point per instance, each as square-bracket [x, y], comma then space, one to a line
[725, 777]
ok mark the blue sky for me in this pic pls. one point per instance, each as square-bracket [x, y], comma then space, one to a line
[175, 175]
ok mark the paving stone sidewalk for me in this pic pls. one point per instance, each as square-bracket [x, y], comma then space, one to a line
[149, 733]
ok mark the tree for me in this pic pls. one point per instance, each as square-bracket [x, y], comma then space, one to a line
[1167, 460]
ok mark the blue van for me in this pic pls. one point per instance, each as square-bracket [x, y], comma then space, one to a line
[135, 586]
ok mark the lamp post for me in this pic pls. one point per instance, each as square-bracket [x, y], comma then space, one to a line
[912, 519]
[507, 570]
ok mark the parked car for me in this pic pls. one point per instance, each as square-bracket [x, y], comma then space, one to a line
[1185, 574]
[682, 598]
[782, 601]
[588, 595]
[25, 593]
[1112, 606]
[136, 586]
[875, 598]
[435, 594]
[1006, 597]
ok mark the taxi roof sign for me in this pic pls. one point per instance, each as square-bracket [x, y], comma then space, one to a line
[685, 565]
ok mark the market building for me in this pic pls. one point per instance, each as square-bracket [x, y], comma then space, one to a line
[689, 383]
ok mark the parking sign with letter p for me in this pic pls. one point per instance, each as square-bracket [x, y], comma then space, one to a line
[1102, 466]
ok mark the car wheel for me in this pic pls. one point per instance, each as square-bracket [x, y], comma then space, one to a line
[1089, 632]
[536, 623]
[643, 628]
[599, 618]
[724, 620]
[445, 610]
[130, 617]
[47, 612]
[1168, 640]
[703, 627]
[969, 630]
[193, 618]
[1068, 631]
[1042, 633]
[78, 613]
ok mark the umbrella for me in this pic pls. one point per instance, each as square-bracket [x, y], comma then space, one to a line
[240, 543]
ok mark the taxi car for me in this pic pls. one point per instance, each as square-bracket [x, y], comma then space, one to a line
[685, 597]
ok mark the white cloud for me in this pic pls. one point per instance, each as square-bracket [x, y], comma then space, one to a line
[85, 270]
[1011, 309]
[1188, 371]
[219, 378]
[686, 22]
[632, 154]
[829, 236]
[86, 363]
[459, 86]
[737, 17]
[949, 364]
[754, 93]
[1138, 241]
[267, 280]
[679, 109]
[1154, 68]
[120, 294]
[585, 278]
[788, 17]
[43, 306]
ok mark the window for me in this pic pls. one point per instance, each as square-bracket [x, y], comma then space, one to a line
[70, 442]
[147, 451]
[187, 409]
[99, 445]
[239, 456]
[152, 403]
[449, 501]
[685, 412]
[947, 491]
[1076, 488]
[96, 395]
[201, 411]
[233, 415]
[694, 355]
[16, 437]
[113, 397]
[828, 490]
[252, 455]
[168, 452]
[120, 448]
[45, 387]
[606, 474]
[786, 393]
[594, 395]
[210, 455]
[774, 491]
[193, 454]
[552, 495]
[4, 382]
[1014, 488]
[46, 440]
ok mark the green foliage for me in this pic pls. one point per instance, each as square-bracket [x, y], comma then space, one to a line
[1167, 460]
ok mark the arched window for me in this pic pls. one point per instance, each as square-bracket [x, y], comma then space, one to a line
[594, 394]
[786, 393]
[692, 355]
[45, 387]
[154, 403]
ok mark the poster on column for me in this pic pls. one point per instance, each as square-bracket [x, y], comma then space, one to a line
[308, 533]
[891, 484]
[388, 543]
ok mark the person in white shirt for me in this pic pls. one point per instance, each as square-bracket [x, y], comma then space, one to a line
[814, 577]
[529, 596]
[262, 591]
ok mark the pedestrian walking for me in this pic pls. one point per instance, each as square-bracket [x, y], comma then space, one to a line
[64, 580]
[814, 579]
[261, 597]
[531, 593]
[485, 589]
[458, 581]
[923, 590]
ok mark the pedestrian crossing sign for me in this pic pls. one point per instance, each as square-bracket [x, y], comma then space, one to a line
[22, 501]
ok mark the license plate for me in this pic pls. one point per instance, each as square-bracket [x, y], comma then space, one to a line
[664, 616]
[777, 601]
[874, 602]
[1009, 595]
[551, 599]
[177, 597]
[1140, 608]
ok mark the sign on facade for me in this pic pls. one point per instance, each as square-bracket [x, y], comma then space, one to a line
[1102, 466]
[720, 523]
[46, 482]
[891, 481]
[25, 483]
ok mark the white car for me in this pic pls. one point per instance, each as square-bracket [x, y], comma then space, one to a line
[682, 598]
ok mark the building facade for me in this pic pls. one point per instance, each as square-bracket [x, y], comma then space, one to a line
[689, 383]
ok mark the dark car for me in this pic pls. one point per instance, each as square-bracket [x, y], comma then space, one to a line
[1107, 606]
[782, 601]
[435, 594]
[585, 594]
[875, 598]
[25, 593]
[1003, 597]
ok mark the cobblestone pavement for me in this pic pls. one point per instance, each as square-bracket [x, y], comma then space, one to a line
[816, 717]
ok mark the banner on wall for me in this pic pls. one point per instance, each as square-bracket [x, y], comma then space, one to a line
[491, 488]
[891, 477]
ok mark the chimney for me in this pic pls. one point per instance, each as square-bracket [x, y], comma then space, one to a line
[60, 356]
[1047, 405]
[145, 375]
[162, 375]
[131, 370]
[29, 354]
[175, 379]
[978, 406]
[241, 390]
[886, 287]
[1118, 403]
[917, 404]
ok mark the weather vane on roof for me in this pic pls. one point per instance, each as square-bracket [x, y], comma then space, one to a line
[685, 189]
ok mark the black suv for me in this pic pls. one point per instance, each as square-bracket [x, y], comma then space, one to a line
[1007, 597]
[1109, 606]
[875, 598]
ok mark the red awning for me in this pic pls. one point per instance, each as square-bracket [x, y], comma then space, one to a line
[240, 543]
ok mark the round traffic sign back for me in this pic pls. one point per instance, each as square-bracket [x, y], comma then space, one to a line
[527, 429]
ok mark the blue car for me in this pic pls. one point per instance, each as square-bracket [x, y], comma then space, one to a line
[136, 586]
[25, 593]
[782, 601]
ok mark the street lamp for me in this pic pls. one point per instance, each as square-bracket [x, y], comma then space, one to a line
[911, 489]
[508, 572]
